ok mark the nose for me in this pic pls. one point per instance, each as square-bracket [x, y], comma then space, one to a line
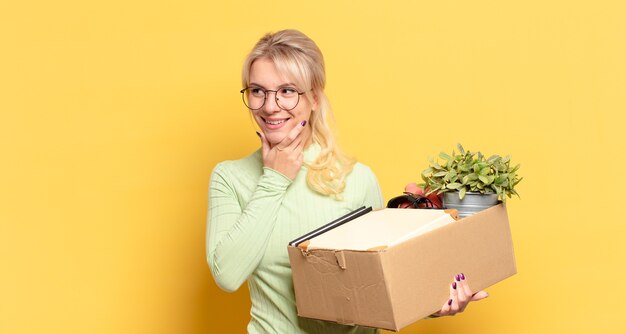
[270, 102]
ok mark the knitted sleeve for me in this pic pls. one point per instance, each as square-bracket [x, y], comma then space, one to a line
[237, 237]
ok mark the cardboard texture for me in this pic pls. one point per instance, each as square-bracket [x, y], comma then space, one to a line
[392, 287]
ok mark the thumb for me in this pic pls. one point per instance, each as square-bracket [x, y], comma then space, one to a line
[265, 146]
[479, 295]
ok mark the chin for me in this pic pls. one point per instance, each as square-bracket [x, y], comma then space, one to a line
[274, 138]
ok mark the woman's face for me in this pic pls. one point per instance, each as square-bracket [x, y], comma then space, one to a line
[272, 120]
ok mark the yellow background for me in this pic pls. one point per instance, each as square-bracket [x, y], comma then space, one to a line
[113, 114]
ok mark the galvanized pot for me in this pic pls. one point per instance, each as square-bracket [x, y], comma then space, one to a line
[470, 204]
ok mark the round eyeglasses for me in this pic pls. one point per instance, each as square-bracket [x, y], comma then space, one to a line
[287, 98]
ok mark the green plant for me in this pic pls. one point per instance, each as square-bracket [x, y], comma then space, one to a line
[471, 172]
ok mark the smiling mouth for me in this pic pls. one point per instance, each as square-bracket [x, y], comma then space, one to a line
[275, 122]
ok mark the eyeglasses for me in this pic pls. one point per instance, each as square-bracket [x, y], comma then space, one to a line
[254, 98]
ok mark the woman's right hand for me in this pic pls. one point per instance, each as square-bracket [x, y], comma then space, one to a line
[285, 157]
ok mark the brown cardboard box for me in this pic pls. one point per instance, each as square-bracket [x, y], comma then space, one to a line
[392, 287]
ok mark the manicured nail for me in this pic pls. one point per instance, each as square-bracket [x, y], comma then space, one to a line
[258, 134]
[462, 276]
[449, 302]
[303, 123]
[458, 278]
[454, 285]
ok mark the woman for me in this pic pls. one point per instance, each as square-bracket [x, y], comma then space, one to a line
[298, 181]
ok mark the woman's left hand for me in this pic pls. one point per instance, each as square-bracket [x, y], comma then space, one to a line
[460, 296]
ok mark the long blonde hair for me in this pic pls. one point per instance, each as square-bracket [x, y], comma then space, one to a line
[296, 55]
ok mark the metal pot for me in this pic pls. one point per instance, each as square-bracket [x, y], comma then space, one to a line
[470, 204]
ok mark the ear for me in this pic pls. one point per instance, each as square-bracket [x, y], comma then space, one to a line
[315, 103]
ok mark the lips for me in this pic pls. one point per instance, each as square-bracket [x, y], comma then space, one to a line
[275, 123]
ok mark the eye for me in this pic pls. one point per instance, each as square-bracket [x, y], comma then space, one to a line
[257, 92]
[288, 91]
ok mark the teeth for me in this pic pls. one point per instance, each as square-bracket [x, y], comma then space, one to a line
[275, 122]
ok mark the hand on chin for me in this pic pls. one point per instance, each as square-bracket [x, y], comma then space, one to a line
[276, 136]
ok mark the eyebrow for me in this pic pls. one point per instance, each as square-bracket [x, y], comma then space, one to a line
[290, 84]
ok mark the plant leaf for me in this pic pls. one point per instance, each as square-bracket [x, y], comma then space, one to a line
[493, 158]
[454, 185]
[460, 148]
[445, 156]
[434, 163]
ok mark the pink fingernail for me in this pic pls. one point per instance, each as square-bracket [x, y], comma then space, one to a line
[303, 123]
[449, 302]
[454, 285]
[462, 276]
[458, 278]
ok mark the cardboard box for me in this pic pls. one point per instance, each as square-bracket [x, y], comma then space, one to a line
[392, 287]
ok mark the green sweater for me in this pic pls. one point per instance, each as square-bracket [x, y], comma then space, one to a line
[254, 212]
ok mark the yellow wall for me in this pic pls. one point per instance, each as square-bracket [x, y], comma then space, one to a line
[113, 115]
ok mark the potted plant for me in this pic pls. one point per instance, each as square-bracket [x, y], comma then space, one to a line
[470, 182]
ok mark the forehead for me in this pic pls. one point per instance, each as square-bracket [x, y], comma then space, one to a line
[264, 72]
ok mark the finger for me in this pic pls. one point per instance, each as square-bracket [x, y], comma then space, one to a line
[292, 135]
[463, 298]
[454, 296]
[265, 145]
[480, 295]
[445, 308]
[295, 144]
[300, 147]
[465, 285]
[454, 308]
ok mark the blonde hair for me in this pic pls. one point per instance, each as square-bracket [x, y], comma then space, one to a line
[296, 55]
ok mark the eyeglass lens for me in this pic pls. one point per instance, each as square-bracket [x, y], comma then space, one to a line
[286, 98]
